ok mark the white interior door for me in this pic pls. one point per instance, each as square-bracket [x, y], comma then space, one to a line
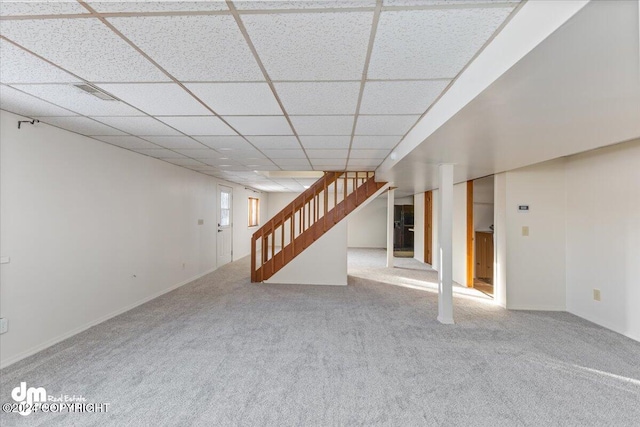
[225, 225]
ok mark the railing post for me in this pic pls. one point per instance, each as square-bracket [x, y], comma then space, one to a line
[355, 187]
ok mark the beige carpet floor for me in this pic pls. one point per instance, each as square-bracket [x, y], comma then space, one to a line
[223, 352]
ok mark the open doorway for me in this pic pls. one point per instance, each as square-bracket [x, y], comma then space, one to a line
[480, 239]
[403, 228]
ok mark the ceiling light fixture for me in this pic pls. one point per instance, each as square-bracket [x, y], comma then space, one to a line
[95, 92]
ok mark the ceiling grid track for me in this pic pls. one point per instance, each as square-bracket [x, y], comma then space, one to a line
[392, 101]
[165, 72]
[143, 114]
[365, 71]
[254, 52]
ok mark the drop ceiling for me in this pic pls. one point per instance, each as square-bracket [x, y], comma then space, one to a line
[232, 89]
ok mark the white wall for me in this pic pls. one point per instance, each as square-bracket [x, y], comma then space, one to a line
[460, 233]
[322, 263]
[80, 218]
[500, 240]
[367, 228]
[603, 237]
[418, 216]
[536, 263]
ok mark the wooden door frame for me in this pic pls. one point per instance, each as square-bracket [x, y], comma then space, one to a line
[428, 227]
[470, 236]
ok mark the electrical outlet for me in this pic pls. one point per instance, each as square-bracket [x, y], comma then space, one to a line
[525, 231]
[596, 294]
[200, 221]
[3, 325]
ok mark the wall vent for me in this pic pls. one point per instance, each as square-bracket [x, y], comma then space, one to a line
[96, 92]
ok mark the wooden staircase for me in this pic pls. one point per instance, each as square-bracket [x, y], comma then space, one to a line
[314, 212]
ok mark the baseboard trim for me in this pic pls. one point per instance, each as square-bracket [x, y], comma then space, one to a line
[535, 308]
[60, 338]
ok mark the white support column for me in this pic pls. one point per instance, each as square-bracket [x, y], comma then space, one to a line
[390, 214]
[445, 244]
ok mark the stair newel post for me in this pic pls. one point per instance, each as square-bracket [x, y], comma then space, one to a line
[253, 259]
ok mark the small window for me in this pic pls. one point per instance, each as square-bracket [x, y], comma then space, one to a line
[254, 212]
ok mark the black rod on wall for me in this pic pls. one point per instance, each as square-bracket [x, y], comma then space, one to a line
[31, 122]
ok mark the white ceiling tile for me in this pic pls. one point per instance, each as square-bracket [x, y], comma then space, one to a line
[364, 162]
[75, 99]
[203, 153]
[138, 125]
[157, 99]
[224, 142]
[323, 125]
[296, 167]
[19, 66]
[40, 7]
[319, 97]
[160, 153]
[194, 48]
[421, 44]
[327, 154]
[301, 4]
[225, 164]
[237, 99]
[27, 105]
[82, 125]
[157, 6]
[179, 142]
[369, 154]
[412, 97]
[244, 155]
[305, 181]
[85, 47]
[311, 46]
[285, 154]
[130, 142]
[274, 142]
[329, 164]
[291, 164]
[375, 142]
[255, 162]
[203, 125]
[185, 162]
[260, 125]
[385, 125]
[326, 142]
[402, 3]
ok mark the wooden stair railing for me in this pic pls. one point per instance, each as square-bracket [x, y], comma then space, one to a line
[307, 218]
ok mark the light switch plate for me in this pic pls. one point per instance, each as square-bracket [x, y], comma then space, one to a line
[596, 294]
[3, 325]
[525, 231]
[200, 221]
